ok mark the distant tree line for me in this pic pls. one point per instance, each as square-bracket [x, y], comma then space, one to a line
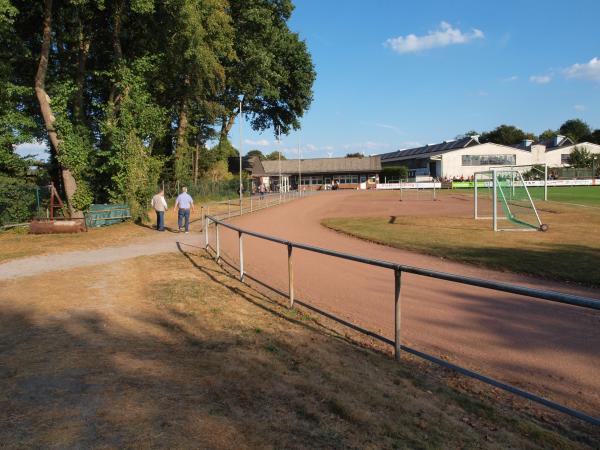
[128, 92]
[575, 129]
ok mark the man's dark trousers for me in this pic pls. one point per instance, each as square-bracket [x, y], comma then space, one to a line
[181, 215]
[160, 220]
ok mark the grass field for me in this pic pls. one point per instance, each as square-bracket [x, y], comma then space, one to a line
[180, 355]
[568, 252]
[578, 195]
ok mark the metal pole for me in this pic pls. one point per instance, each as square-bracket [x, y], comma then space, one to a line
[290, 275]
[206, 232]
[300, 167]
[546, 182]
[475, 181]
[279, 158]
[218, 243]
[241, 241]
[495, 199]
[241, 145]
[228, 208]
[250, 202]
[397, 315]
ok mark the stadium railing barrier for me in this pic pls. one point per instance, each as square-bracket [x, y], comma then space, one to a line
[398, 270]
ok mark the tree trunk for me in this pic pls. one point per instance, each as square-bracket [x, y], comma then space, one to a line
[116, 42]
[70, 185]
[196, 160]
[227, 125]
[182, 127]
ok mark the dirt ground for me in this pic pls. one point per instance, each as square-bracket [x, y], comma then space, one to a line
[548, 348]
[169, 351]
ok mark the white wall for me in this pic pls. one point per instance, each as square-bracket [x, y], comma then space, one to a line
[553, 157]
[452, 161]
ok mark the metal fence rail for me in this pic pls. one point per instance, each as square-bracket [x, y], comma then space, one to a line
[250, 204]
[398, 269]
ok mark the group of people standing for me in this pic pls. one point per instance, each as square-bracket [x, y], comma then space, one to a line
[184, 205]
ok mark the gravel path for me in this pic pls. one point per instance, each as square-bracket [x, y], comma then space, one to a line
[36, 265]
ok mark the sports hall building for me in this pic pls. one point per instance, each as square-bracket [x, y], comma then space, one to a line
[461, 158]
[316, 174]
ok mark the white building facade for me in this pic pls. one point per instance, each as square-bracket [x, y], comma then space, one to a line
[462, 158]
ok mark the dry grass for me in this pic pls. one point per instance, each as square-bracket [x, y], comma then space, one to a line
[172, 352]
[565, 253]
[17, 243]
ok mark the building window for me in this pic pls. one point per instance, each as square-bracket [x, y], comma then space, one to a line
[489, 160]
[565, 158]
[346, 179]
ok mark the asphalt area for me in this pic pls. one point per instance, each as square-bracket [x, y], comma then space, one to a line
[547, 348]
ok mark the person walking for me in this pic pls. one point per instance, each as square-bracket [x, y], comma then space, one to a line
[262, 190]
[160, 206]
[184, 204]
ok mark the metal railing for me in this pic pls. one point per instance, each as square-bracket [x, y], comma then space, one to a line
[250, 204]
[398, 270]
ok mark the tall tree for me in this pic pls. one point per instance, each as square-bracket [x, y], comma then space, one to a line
[505, 135]
[273, 73]
[576, 129]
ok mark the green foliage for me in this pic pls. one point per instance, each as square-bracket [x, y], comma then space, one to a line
[548, 134]
[394, 172]
[355, 155]
[17, 200]
[75, 145]
[505, 135]
[580, 157]
[257, 153]
[131, 127]
[576, 129]
[275, 156]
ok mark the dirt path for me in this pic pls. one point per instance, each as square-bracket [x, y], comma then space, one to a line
[548, 348]
[36, 265]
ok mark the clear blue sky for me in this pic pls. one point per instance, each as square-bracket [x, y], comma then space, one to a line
[490, 63]
[471, 65]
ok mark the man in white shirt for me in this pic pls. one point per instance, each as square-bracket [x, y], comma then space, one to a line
[185, 203]
[160, 206]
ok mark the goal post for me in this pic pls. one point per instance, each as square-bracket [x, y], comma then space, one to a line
[502, 195]
[418, 190]
[535, 176]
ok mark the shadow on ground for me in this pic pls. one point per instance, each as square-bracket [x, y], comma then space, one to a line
[190, 358]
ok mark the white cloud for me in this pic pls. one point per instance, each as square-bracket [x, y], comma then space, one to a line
[310, 148]
[442, 37]
[540, 79]
[579, 108]
[259, 143]
[389, 127]
[368, 145]
[327, 148]
[510, 79]
[586, 71]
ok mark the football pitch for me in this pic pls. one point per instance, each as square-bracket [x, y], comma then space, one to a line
[577, 195]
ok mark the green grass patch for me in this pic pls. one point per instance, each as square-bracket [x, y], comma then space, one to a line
[568, 252]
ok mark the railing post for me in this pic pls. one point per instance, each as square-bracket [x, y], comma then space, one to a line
[206, 222]
[241, 241]
[290, 275]
[218, 243]
[228, 208]
[241, 206]
[250, 202]
[398, 283]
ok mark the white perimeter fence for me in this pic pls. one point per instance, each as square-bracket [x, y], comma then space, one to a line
[215, 222]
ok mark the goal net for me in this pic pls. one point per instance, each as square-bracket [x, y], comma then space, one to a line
[535, 177]
[503, 196]
[418, 190]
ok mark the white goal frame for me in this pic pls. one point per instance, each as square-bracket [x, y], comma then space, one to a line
[493, 173]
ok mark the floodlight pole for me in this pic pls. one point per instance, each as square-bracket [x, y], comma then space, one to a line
[240, 152]
[299, 168]
[545, 182]
[279, 158]
[495, 201]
